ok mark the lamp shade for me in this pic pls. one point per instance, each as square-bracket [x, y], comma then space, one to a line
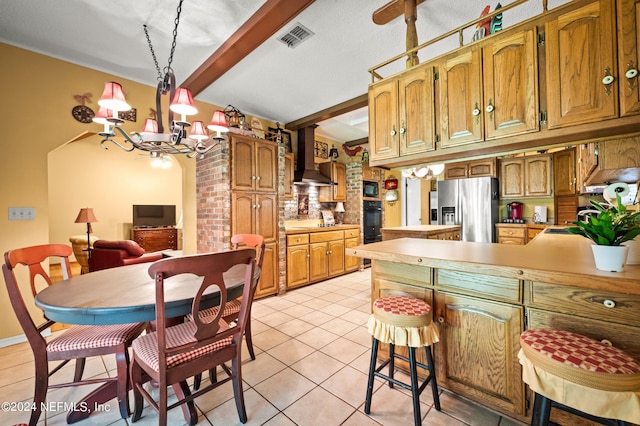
[86, 215]
[340, 208]
[112, 97]
[218, 122]
[102, 115]
[198, 132]
[182, 102]
[150, 126]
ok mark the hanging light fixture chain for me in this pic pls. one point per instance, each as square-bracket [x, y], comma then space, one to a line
[175, 35]
[153, 53]
[173, 45]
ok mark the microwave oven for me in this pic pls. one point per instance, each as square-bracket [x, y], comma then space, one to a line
[370, 189]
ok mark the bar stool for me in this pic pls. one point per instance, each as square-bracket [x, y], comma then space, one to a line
[403, 321]
[579, 375]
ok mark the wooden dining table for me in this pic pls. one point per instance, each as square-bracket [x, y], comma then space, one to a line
[124, 295]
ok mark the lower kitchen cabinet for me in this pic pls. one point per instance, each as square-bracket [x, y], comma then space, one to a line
[316, 256]
[478, 350]
[268, 283]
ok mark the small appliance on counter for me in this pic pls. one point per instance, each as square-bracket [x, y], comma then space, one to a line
[514, 212]
[540, 214]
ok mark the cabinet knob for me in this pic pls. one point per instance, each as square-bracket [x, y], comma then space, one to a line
[608, 303]
[606, 342]
[441, 319]
[607, 80]
[253, 178]
[631, 74]
[393, 130]
[257, 177]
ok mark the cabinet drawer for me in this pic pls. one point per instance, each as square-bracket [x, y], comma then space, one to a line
[510, 240]
[624, 337]
[496, 288]
[297, 239]
[613, 307]
[351, 233]
[511, 232]
[532, 232]
[318, 237]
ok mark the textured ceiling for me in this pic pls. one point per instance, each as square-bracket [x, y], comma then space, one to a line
[274, 81]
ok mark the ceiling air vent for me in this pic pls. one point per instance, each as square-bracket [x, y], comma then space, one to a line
[295, 35]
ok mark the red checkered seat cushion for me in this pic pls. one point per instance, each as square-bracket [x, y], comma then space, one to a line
[232, 307]
[94, 336]
[146, 346]
[581, 360]
[402, 311]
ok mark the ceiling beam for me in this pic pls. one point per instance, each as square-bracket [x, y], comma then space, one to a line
[357, 142]
[271, 17]
[334, 111]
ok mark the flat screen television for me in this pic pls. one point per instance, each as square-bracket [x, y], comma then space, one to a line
[153, 216]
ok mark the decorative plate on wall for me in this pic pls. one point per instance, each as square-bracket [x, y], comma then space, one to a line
[256, 127]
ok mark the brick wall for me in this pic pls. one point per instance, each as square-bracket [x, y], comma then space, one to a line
[213, 184]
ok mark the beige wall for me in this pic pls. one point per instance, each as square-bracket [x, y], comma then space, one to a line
[37, 98]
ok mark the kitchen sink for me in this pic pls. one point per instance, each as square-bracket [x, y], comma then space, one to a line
[560, 231]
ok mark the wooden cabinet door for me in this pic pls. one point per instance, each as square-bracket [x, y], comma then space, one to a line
[480, 168]
[565, 207]
[416, 111]
[297, 265]
[351, 263]
[266, 170]
[266, 216]
[288, 176]
[318, 264]
[537, 175]
[383, 116]
[374, 174]
[340, 177]
[564, 172]
[586, 163]
[629, 55]
[580, 53]
[268, 283]
[242, 171]
[243, 213]
[455, 170]
[336, 257]
[461, 98]
[478, 350]
[512, 178]
[510, 76]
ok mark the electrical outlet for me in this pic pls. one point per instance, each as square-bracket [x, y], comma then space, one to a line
[22, 213]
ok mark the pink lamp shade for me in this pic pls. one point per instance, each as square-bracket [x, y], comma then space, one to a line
[182, 102]
[150, 126]
[113, 98]
[102, 115]
[218, 122]
[198, 132]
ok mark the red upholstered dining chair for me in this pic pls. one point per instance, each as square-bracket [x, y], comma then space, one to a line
[171, 355]
[75, 343]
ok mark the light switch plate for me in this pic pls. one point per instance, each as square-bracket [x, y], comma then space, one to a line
[22, 213]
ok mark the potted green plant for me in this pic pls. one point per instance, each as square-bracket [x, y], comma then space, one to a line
[611, 227]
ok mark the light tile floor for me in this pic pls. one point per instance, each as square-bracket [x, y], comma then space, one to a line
[312, 350]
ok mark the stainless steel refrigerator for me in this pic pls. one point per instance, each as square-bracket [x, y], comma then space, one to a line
[471, 203]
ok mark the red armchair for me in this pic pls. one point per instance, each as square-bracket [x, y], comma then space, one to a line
[109, 254]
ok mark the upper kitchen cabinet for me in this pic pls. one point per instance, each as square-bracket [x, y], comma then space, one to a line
[254, 164]
[582, 84]
[490, 92]
[525, 176]
[470, 169]
[629, 55]
[337, 172]
[564, 172]
[401, 115]
[586, 162]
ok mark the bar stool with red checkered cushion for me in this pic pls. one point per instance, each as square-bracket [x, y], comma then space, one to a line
[580, 375]
[404, 321]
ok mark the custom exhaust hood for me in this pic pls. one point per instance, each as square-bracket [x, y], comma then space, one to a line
[306, 172]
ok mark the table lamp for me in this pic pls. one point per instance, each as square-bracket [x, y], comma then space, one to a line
[87, 216]
[339, 213]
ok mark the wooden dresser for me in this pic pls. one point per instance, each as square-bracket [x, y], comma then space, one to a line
[156, 239]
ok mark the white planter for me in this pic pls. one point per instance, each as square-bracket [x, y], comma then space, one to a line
[610, 258]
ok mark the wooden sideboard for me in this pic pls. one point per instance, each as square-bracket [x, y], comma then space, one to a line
[156, 239]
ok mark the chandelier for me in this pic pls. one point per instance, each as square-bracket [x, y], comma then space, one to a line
[426, 172]
[152, 138]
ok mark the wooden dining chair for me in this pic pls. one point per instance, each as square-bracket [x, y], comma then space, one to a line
[171, 355]
[75, 343]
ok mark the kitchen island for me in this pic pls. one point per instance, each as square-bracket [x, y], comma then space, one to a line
[434, 232]
[484, 295]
